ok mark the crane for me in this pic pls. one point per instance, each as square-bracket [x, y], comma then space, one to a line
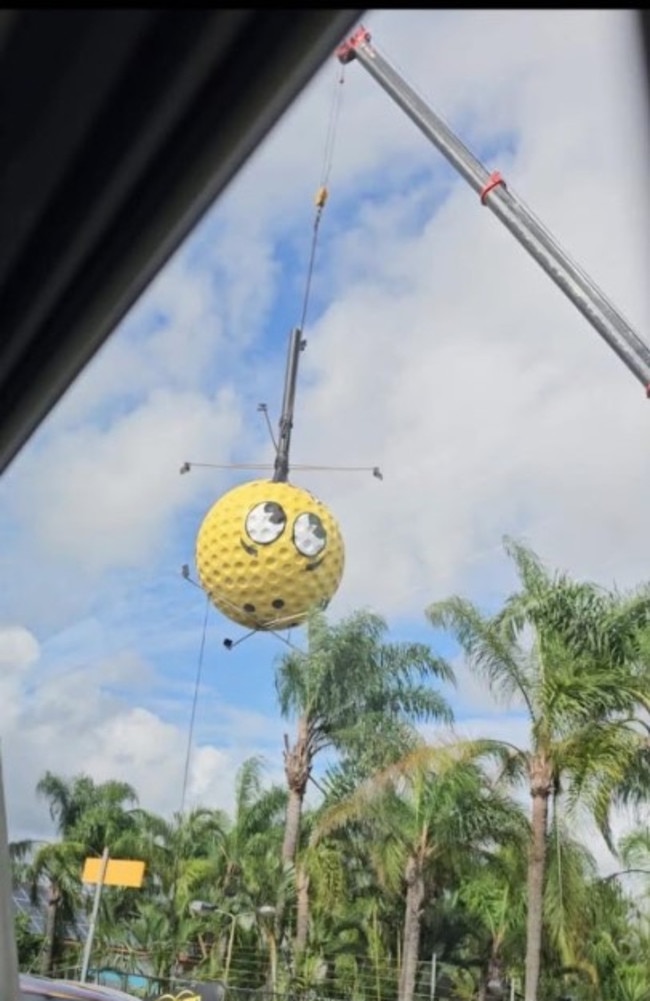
[494, 193]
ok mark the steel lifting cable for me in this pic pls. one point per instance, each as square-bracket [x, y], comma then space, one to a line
[323, 193]
[321, 199]
[195, 699]
[332, 126]
[186, 770]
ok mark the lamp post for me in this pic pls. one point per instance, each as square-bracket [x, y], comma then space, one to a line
[198, 907]
[267, 911]
[88, 945]
[203, 907]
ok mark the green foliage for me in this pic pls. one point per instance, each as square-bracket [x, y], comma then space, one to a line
[394, 811]
[352, 680]
[28, 943]
[572, 655]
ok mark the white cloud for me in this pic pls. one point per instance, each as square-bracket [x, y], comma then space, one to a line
[111, 493]
[18, 651]
[444, 355]
[98, 489]
[447, 357]
[453, 362]
[73, 721]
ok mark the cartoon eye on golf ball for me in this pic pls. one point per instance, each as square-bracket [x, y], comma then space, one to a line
[267, 553]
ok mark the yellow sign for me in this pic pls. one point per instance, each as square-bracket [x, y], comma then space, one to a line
[119, 872]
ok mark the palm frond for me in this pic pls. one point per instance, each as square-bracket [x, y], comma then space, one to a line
[530, 569]
[489, 650]
[634, 848]
[604, 761]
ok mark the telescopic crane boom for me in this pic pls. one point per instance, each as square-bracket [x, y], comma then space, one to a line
[493, 192]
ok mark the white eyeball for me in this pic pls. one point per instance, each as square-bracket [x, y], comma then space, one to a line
[266, 522]
[309, 535]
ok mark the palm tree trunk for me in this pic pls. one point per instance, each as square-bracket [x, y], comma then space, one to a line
[292, 826]
[49, 941]
[540, 790]
[297, 768]
[412, 919]
[491, 975]
[302, 918]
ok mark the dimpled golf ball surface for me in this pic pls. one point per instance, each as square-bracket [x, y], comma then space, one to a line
[268, 553]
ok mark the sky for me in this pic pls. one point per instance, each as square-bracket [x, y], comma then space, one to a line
[436, 350]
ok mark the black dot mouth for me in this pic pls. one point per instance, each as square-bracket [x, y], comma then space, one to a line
[248, 607]
[278, 603]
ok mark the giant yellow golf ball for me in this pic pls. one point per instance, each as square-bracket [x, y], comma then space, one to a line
[268, 553]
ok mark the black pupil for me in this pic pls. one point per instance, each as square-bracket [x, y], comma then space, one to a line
[274, 513]
[316, 526]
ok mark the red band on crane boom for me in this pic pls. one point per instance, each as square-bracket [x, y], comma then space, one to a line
[347, 51]
[495, 180]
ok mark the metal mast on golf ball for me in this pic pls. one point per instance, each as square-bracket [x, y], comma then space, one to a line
[281, 468]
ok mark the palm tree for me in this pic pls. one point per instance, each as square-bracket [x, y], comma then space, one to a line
[100, 809]
[352, 917]
[616, 944]
[239, 872]
[568, 920]
[232, 864]
[256, 818]
[427, 814]
[490, 895]
[182, 858]
[88, 816]
[569, 653]
[58, 864]
[348, 684]
[346, 689]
